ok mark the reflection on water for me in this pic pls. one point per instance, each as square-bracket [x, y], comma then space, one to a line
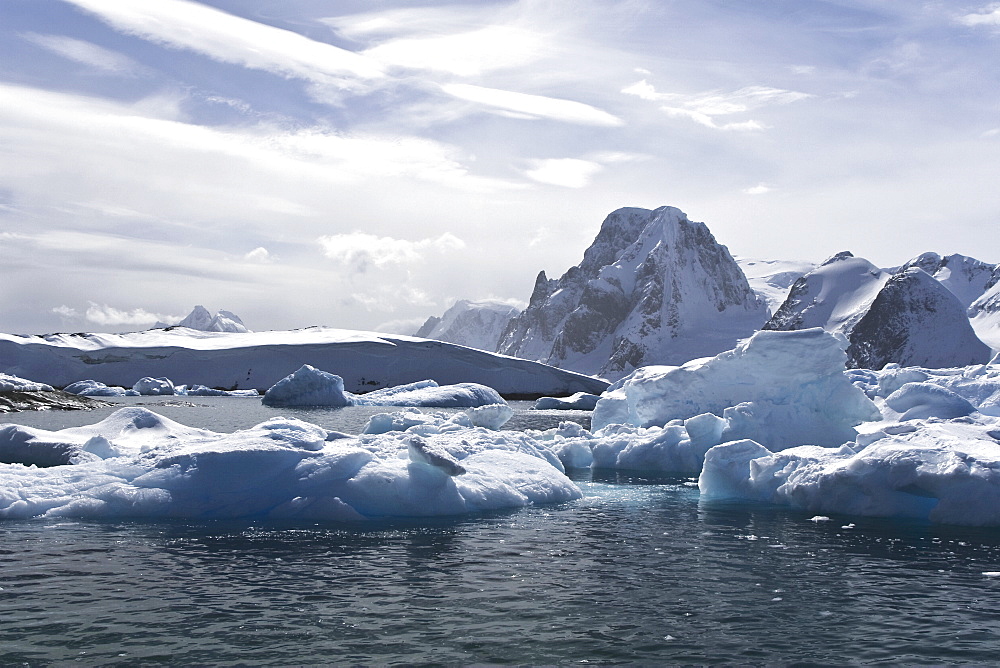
[636, 572]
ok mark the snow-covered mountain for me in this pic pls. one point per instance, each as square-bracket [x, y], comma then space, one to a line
[833, 296]
[908, 317]
[477, 324]
[771, 279]
[653, 288]
[984, 313]
[202, 320]
[965, 277]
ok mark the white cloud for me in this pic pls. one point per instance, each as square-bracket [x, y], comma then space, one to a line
[109, 316]
[66, 312]
[232, 39]
[533, 106]
[464, 54]
[759, 189]
[987, 16]
[360, 251]
[86, 53]
[703, 108]
[259, 254]
[566, 172]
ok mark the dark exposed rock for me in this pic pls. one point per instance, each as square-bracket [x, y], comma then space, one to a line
[41, 401]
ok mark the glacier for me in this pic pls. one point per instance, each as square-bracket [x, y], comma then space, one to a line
[257, 360]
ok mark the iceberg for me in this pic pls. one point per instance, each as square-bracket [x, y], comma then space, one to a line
[309, 386]
[139, 464]
[11, 383]
[945, 471]
[581, 401]
[779, 388]
[93, 388]
[153, 387]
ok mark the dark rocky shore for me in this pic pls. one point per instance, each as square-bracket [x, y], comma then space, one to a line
[43, 401]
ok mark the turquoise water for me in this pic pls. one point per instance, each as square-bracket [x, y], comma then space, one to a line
[636, 572]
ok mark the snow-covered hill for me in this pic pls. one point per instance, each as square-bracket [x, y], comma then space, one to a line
[965, 277]
[477, 324]
[771, 279]
[908, 317]
[654, 287]
[256, 360]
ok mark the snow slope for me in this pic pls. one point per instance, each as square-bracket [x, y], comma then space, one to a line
[772, 279]
[256, 360]
[477, 324]
[653, 288]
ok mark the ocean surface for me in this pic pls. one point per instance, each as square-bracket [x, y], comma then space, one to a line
[635, 572]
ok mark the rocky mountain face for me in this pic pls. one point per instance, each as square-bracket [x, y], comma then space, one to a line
[915, 321]
[476, 324]
[907, 317]
[653, 288]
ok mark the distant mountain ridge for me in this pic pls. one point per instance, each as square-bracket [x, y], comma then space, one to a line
[655, 288]
[202, 320]
[476, 324]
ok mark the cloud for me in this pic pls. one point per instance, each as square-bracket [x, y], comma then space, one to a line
[523, 105]
[702, 108]
[109, 316]
[759, 189]
[259, 254]
[987, 16]
[66, 312]
[231, 39]
[99, 58]
[566, 172]
[359, 251]
[464, 54]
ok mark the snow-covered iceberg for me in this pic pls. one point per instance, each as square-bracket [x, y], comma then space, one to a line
[581, 401]
[937, 470]
[139, 464]
[779, 388]
[93, 388]
[309, 386]
[11, 383]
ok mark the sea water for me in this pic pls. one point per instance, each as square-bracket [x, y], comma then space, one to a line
[636, 572]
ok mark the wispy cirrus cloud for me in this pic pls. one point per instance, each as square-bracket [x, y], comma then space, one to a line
[704, 108]
[86, 53]
[523, 105]
[231, 39]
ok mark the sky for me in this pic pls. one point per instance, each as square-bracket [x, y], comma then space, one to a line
[363, 163]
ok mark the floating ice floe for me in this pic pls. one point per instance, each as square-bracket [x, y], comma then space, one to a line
[309, 386]
[581, 401]
[139, 464]
[93, 388]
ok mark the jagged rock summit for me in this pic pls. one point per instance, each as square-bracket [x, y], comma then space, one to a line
[653, 288]
[476, 324]
[202, 320]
